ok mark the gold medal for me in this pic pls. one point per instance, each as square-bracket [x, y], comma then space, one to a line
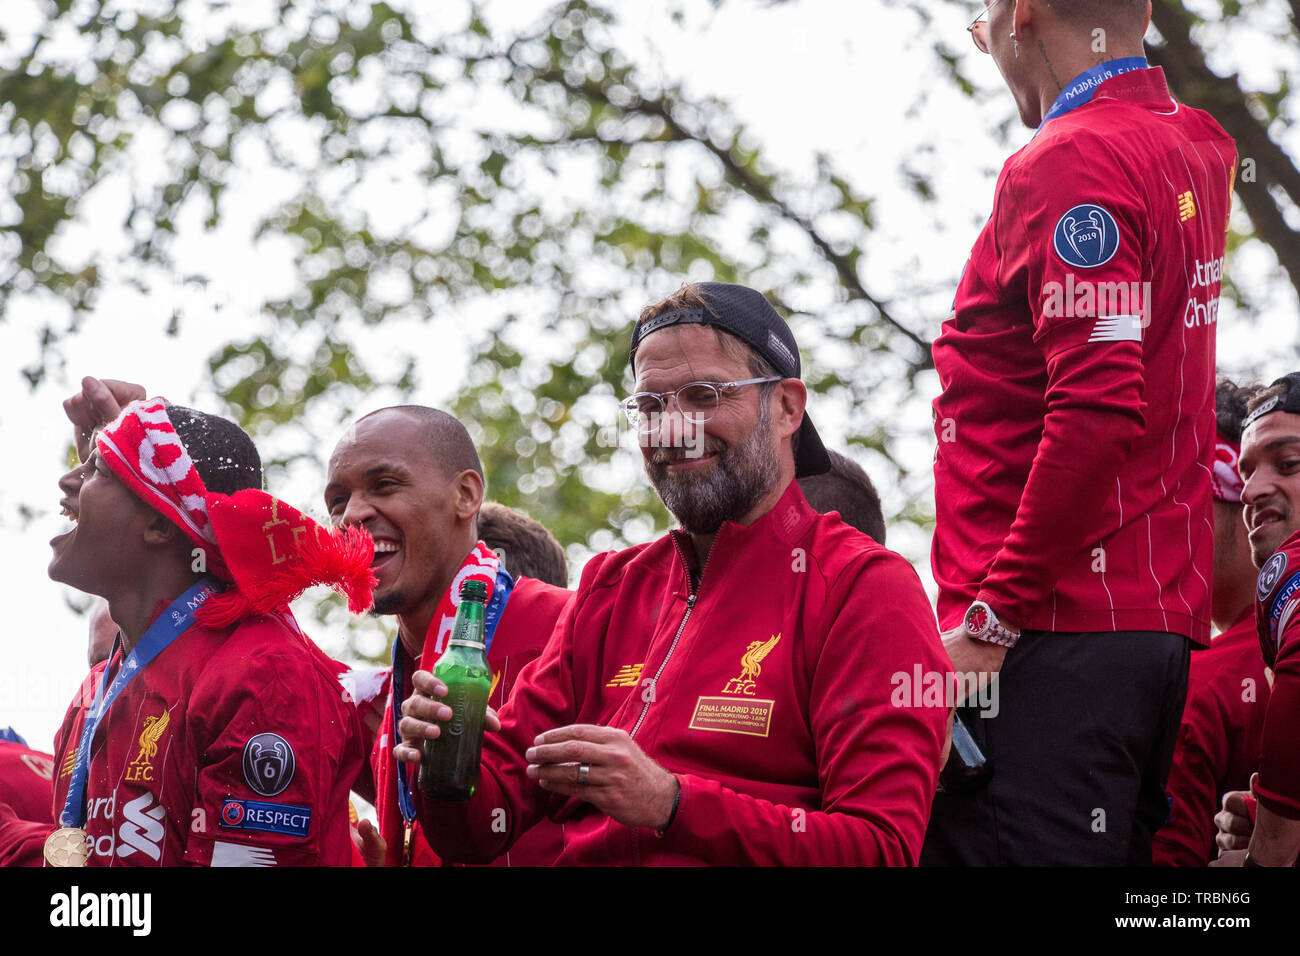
[66, 847]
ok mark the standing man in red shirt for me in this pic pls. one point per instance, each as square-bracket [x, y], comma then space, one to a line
[1073, 540]
[1227, 691]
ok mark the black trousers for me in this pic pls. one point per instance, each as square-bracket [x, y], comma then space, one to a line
[1080, 749]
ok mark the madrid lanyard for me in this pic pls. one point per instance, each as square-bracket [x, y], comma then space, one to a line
[491, 618]
[1080, 89]
[171, 624]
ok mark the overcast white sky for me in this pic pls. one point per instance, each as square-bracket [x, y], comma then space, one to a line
[813, 76]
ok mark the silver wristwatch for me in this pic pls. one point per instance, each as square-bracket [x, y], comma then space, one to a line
[983, 625]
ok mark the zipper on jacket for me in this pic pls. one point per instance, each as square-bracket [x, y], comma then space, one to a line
[690, 606]
[654, 684]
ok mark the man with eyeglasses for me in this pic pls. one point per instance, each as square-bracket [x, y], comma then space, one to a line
[762, 686]
[1074, 537]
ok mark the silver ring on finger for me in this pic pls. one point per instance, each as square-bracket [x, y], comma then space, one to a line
[583, 770]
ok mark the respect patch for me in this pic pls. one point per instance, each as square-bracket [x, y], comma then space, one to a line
[266, 817]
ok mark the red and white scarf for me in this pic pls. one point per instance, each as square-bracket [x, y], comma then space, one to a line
[268, 551]
[1226, 481]
[480, 565]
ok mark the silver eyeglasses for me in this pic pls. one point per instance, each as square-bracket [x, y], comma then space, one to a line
[697, 401]
[981, 43]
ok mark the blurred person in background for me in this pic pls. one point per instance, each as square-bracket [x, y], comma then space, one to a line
[846, 490]
[523, 544]
[1227, 691]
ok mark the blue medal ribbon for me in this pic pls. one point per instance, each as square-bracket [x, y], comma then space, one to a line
[171, 624]
[1080, 89]
[491, 618]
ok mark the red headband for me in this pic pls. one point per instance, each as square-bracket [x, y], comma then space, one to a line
[1226, 482]
[269, 551]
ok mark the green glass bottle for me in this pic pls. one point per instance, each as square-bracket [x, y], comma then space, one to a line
[449, 765]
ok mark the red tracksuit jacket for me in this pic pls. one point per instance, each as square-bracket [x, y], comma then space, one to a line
[1218, 743]
[525, 626]
[773, 691]
[1277, 600]
[233, 747]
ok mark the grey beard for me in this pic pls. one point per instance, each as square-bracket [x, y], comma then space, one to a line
[742, 475]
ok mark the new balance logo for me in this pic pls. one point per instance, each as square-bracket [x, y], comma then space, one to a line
[629, 675]
[1186, 206]
[1117, 328]
[241, 854]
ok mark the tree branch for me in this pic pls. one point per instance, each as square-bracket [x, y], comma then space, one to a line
[762, 192]
[757, 187]
[1225, 100]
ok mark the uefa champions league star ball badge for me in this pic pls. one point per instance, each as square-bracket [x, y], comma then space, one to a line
[1085, 237]
[66, 847]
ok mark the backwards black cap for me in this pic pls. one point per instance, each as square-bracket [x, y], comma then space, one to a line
[748, 316]
[1288, 402]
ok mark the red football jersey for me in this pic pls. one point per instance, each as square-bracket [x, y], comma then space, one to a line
[26, 781]
[1076, 422]
[1278, 625]
[1218, 743]
[233, 747]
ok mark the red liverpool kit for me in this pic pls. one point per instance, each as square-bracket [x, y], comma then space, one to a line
[1218, 743]
[26, 781]
[1076, 422]
[782, 690]
[26, 814]
[235, 746]
[1277, 599]
[526, 625]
